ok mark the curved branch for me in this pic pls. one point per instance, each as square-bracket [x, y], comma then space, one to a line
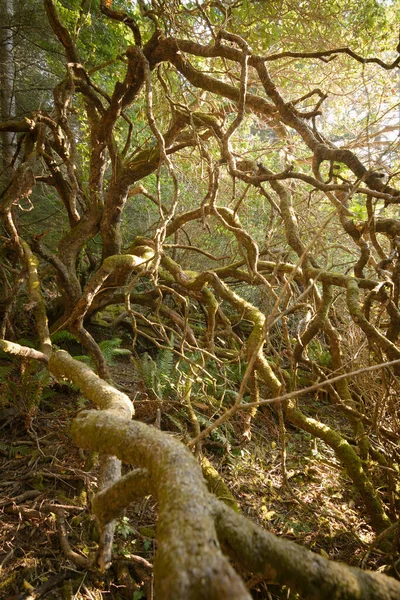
[61, 32]
[311, 575]
[333, 53]
[25, 351]
[189, 563]
[123, 18]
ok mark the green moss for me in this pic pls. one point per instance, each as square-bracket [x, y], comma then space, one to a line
[216, 485]
[148, 532]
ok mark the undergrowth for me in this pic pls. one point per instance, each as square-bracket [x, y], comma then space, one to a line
[23, 384]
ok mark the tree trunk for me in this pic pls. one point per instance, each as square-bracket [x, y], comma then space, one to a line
[7, 91]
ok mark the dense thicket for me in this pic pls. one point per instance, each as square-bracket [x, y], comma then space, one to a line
[222, 178]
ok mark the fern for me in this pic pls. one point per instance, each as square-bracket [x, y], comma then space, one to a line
[165, 360]
[147, 371]
[216, 433]
[62, 336]
[82, 402]
[165, 366]
[13, 451]
[27, 342]
[5, 372]
[85, 359]
[177, 423]
[157, 375]
[23, 385]
[109, 348]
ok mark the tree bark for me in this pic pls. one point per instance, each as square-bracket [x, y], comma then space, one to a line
[7, 93]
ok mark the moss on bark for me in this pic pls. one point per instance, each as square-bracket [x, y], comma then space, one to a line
[189, 562]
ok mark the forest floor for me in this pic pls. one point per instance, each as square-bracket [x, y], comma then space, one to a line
[47, 483]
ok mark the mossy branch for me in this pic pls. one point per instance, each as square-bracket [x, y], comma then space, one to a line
[192, 522]
[25, 351]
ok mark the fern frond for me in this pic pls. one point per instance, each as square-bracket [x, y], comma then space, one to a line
[27, 342]
[159, 375]
[5, 372]
[111, 349]
[148, 371]
[85, 359]
[165, 362]
[216, 433]
[62, 336]
[177, 423]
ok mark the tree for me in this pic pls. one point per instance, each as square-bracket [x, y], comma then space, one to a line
[231, 143]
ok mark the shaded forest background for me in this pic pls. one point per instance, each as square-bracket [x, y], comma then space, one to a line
[200, 236]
